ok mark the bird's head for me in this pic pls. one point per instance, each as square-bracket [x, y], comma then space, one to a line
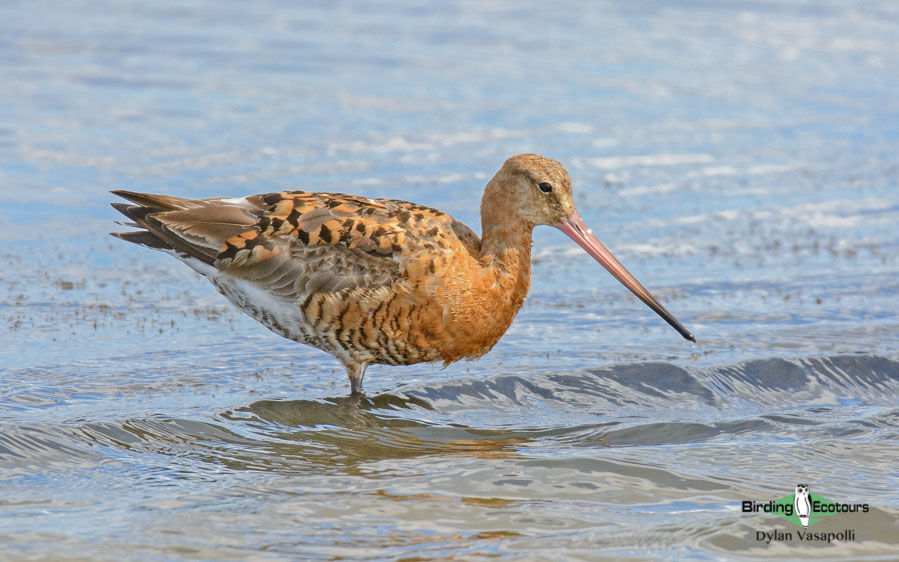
[536, 189]
[531, 190]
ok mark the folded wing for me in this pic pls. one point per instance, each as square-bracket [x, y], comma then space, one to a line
[296, 243]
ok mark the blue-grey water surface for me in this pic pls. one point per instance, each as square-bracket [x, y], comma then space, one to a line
[740, 158]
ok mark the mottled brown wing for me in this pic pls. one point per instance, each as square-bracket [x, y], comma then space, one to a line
[326, 242]
[293, 243]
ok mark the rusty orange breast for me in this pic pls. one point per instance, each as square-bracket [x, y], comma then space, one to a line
[477, 300]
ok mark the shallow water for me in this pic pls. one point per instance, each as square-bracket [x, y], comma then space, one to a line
[739, 159]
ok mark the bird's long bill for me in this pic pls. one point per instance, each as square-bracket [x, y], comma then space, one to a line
[575, 228]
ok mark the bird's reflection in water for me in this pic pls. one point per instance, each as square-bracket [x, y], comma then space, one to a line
[351, 412]
[354, 429]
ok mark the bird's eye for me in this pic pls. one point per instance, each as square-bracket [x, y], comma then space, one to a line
[545, 187]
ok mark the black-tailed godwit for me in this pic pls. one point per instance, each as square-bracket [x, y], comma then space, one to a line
[376, 280]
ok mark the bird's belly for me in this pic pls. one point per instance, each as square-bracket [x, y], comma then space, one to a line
[281, 316]
[350, 331]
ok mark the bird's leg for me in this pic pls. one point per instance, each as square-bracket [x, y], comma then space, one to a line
[355, 371]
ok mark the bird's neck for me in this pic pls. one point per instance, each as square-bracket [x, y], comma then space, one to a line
[505, 246]
[506, 262]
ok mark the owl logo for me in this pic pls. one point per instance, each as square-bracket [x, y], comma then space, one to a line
[801, 503]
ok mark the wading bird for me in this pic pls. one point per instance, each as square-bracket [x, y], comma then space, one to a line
[375, 280]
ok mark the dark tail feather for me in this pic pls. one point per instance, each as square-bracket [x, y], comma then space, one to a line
[158, 203]
[155, 235]
[143, 238]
